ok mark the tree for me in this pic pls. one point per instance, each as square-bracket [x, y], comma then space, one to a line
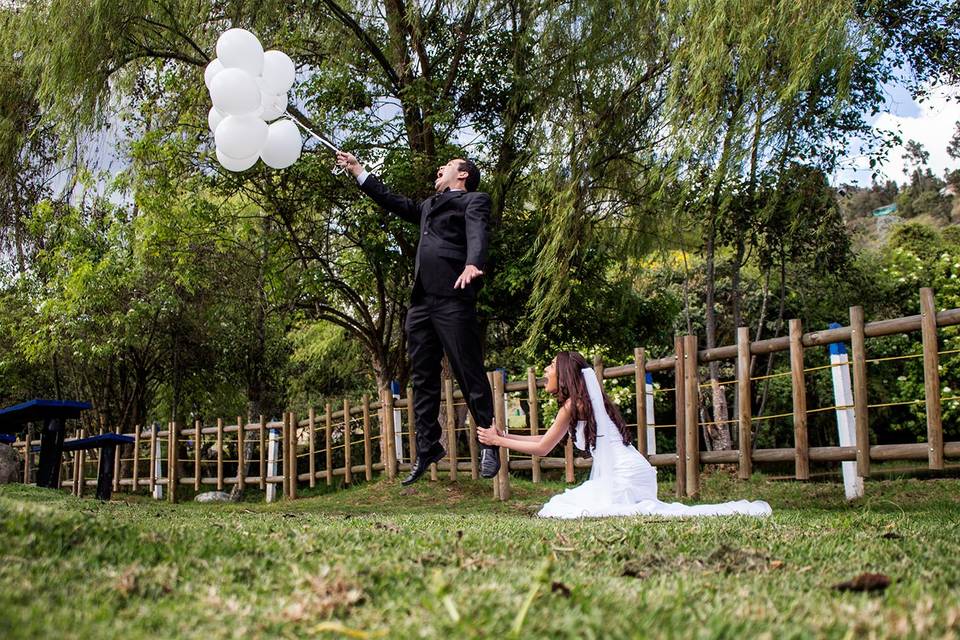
[953, 147]
[916, 158]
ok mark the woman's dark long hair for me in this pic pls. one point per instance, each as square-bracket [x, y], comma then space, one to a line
[571, 385]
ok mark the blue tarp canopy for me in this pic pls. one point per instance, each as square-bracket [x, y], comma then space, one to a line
[13, 418]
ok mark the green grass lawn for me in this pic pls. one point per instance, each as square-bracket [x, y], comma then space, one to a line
[444, 560]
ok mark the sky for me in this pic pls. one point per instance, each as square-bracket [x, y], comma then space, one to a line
[931, 123]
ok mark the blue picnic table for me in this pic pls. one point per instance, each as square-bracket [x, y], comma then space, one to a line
[52, 415]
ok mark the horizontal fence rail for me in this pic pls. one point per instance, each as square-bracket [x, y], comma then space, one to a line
[353, 439]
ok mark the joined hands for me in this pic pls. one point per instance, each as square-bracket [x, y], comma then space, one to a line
[489, 436]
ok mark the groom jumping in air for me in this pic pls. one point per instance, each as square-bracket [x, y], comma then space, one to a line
[451, 255]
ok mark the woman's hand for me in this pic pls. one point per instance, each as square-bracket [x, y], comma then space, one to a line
[489, 436]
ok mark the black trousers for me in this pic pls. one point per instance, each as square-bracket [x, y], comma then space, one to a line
[438, 324]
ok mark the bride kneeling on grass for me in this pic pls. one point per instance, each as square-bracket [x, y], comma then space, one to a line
[622, 482]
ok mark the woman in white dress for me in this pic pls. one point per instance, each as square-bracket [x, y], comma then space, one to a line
[622, 482]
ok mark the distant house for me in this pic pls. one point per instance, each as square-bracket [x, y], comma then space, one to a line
[949, 191]
[890, 209]
[886, 218]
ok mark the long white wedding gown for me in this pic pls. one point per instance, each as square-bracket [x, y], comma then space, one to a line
[623, 483]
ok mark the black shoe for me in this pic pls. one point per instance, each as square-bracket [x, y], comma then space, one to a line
[421, 465]
[489, 462]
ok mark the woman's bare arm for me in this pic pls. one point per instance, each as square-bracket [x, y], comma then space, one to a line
[512, 436]
[536, 445]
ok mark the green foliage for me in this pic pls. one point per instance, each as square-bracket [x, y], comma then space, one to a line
[613, 136]
[324, 362]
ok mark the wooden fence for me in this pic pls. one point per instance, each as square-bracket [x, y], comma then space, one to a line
[354, 440]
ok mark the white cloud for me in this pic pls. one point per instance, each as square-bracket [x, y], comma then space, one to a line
[932, 127]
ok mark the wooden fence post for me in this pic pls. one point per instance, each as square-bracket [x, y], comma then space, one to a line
[801, 442]
[136, 457]
[294, 477]
[172, 455]
[285, 453]
[860, 416]
[568, 476]
[197, 446]
[679, 395]
[451, 427]
[27, 456]
[311, 430]
[219, 454]
[493, 392]
[931, 378]
[691, 397]
[411, 426]
[391, 463]
[329, 440]
[503, 477]
[116, 464]
[744, 420]
[472, 442]
[640, 386]
[347, 440]
[79, 460]
[598, 369]
[533, 404]
[263, 452]
[241, 453]
[152, 475]
[367, 445]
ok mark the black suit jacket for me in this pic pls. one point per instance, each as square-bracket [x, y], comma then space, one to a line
[454, 232]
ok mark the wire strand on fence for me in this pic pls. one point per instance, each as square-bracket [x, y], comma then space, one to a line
[833, 408]
[772, 375]
[778, 415]
[889, 358]
[894, 404]
[716, 422]
[719, 384]
[832, 365]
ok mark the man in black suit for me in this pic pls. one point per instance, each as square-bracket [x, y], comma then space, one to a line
[451, 255]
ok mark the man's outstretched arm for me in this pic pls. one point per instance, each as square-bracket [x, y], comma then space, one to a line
[373, 187]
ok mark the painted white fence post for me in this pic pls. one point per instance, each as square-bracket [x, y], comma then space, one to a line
[157, 470]
[273, 452]
[397, 423]
[651, 433]
[846, 430]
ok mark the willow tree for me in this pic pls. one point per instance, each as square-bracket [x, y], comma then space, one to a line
[743, 91]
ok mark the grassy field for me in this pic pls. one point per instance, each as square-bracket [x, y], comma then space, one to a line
[444, 560]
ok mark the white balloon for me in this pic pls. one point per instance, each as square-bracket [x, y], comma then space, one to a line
[235, 92]
[232, 164]
[272, 106]
[283, 145]
[240, 49]
[214, 118]
[278, 72]
[211, 71]
[241, 136]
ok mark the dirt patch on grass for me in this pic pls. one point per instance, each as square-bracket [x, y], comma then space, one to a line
[723, 559]
[323, 595]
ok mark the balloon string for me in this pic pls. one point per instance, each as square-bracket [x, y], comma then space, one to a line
[323, 140]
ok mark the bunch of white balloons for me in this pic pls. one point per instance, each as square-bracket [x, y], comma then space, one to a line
[249, 88]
